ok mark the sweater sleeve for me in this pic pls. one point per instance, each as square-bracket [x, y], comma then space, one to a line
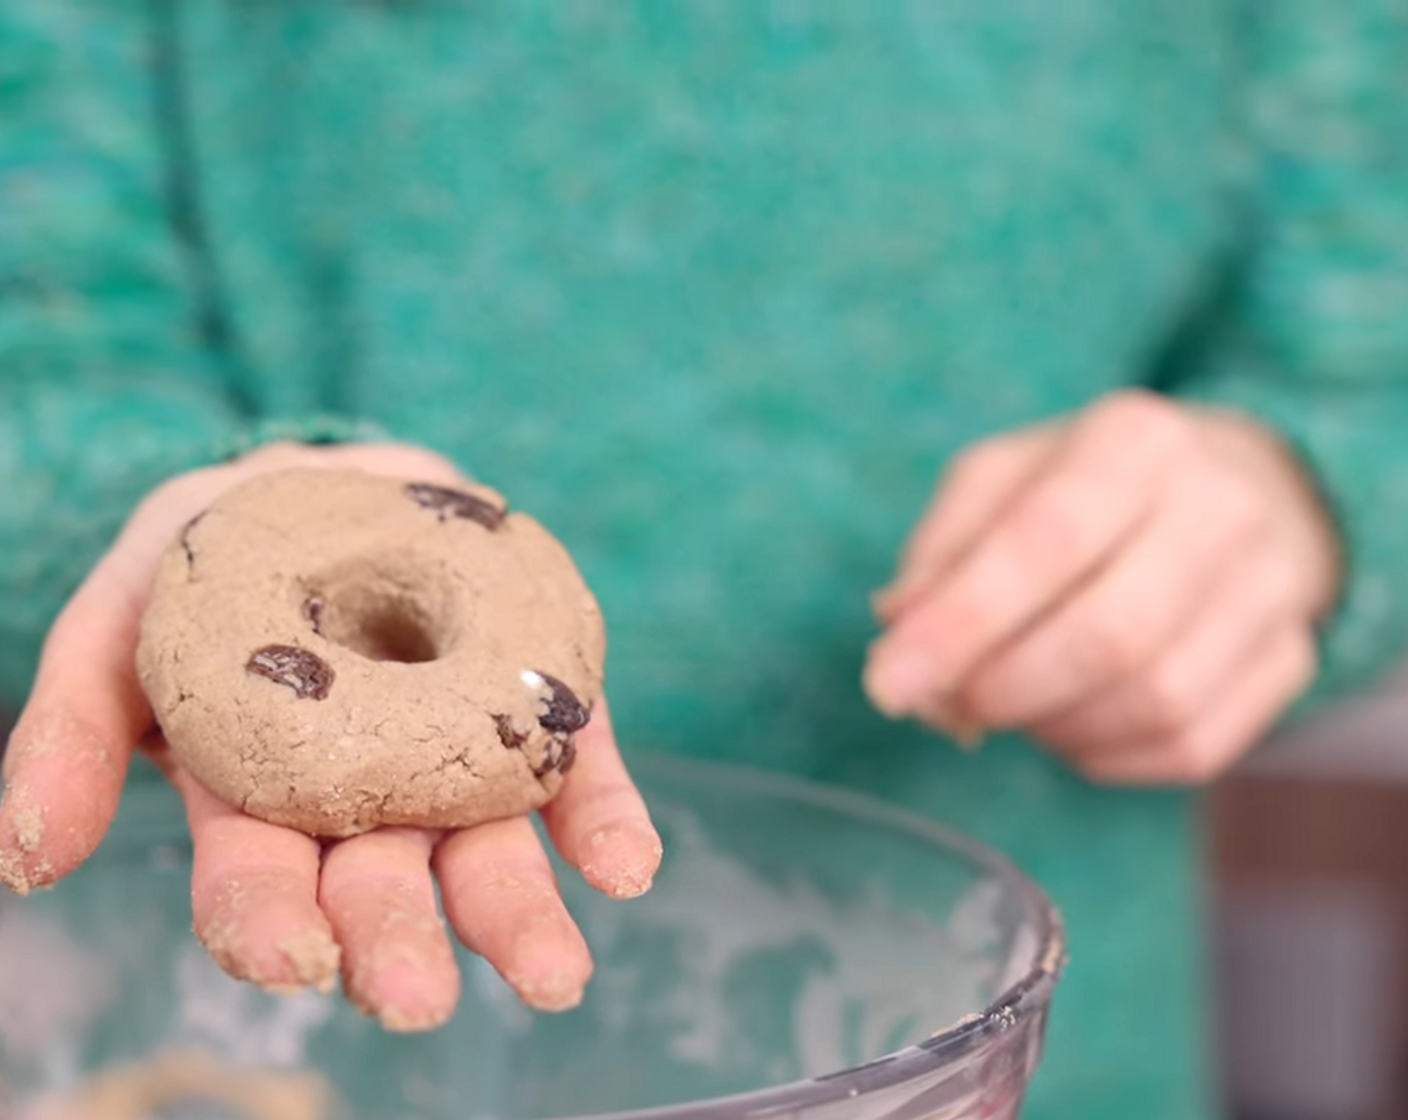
[1313, 337]
[110, 378]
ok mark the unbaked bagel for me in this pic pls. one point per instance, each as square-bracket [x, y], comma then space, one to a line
[334, 651]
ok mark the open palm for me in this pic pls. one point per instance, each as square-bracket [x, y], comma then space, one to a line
[276, 906]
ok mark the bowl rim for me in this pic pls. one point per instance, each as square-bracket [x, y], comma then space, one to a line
[1025, 997]
[1028, 995]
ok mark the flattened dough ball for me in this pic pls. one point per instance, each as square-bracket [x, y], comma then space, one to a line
[333, 651]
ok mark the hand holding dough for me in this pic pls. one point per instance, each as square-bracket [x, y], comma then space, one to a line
[272, 904]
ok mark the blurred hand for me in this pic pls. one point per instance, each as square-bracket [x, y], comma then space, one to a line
[275, 906]
[1137, 587]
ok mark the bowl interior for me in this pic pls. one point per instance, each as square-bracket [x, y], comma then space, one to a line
[792, 934]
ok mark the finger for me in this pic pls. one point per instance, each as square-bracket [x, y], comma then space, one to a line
[599, 822]
[377, 892]
[1208, 746]
[397, 460]
[502, 900]
[1100, 486]
[254, 896]
[1202, 662]
[68, 756]
[1125, 615]
[971, 494]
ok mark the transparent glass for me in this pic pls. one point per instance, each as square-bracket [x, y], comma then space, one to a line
[804, 951]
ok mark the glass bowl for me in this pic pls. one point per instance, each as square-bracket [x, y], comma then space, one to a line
[804, 952]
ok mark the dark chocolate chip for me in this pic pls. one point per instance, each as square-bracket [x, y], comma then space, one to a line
[565, 713]
[313, 612]
[186, 537]
[509, 736]
[446, 503]
[306, 673]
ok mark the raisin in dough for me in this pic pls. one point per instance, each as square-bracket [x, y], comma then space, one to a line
[333, 651]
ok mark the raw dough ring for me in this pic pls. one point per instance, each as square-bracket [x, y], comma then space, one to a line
[333, 651]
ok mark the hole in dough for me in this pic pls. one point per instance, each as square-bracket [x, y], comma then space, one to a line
[380, 618]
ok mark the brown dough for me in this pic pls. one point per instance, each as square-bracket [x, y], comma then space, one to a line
[333, 651]
[145, 1092]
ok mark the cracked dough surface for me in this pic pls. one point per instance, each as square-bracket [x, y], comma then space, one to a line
[333, 651]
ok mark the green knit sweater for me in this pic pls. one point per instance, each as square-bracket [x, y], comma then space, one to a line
[714, 287]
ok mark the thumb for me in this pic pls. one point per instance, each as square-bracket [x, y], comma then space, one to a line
[69, 753]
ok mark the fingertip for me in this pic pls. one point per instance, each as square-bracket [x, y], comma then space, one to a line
[23, 867]
[417, 1020]
[502, 900]
[410, 999]
[314, 957]
[63, 783]
[254, 897]
[266, 932]
[556, 993]
[896, 678]
[621, 860]
[400, 966]
[601, 824]
[408, 989]
[550, 968]
[956, 719]
[21, 819]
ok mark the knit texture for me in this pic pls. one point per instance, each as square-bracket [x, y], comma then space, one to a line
[714, 288]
